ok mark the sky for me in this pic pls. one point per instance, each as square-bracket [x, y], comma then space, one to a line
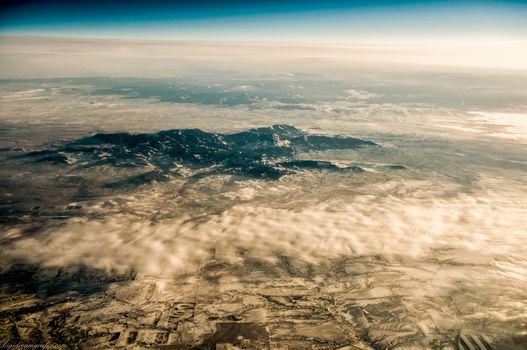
[56, 38]
[292, 21]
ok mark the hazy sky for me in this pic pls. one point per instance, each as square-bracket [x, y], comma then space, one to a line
[158, 38]
[300, 21]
